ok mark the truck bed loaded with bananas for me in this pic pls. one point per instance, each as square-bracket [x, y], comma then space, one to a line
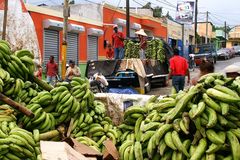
[202, 122]
[155, 50]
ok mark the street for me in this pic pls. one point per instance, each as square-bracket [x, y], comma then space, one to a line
[219, 67]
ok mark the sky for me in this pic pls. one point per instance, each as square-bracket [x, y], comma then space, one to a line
[220, 10]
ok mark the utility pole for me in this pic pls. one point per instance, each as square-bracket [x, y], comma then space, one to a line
[5, 19]
[128, 19]
[225, 33]
[66, 14]
[183, 29]
[206, 38]
[195, 23]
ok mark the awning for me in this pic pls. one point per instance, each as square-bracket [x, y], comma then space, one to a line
[120, 21]
[136, 26]
[95, 32]
[75, 28]
[52, 24]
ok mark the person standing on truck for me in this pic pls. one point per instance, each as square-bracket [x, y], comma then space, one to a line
[142, 42]
[178, 71]
[117, 42]
[51, 70]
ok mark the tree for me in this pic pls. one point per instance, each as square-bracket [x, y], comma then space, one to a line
[157, 12]
[147, 6]
[169, 16]
[222, 28]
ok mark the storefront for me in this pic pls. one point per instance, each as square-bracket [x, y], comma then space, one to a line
[154, 27]
[85, 40]
[175, 35]
[87, 37]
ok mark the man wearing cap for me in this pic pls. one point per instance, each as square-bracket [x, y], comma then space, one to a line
[117, 42]
[72, 71]
[142, 42]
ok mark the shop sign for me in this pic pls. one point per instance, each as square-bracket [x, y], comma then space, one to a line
[185, 11]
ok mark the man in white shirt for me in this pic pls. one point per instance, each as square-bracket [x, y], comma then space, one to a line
[72, 71]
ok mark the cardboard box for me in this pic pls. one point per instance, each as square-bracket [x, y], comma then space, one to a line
[59, 151]
[110, 151]
[84, 149]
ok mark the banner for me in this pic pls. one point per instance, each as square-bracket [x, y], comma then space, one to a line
[185, 11]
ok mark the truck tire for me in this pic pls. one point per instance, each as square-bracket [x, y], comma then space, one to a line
[148, 85]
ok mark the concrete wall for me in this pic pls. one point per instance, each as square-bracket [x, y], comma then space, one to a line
[174, 30]
[91, 11]
[140, 11]
[202, 30]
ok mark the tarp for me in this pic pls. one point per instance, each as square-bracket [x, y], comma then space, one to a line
[106, 67]
[20, 28]
[141, 67]
[122, 91]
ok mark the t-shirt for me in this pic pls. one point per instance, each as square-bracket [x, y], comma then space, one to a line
[52, 69]
[178, 65]
[117, 41]
[143, 43]
[76, 72]
[110, 54]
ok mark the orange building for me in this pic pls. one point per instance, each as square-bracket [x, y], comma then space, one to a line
[152, 26]
[86, 36]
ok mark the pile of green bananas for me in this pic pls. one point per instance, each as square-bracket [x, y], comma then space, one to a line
[28, 92]
[71, 99]
[19, 64]
[42, 121]
[94, 127]
[80, 89]
[16, 143]
[155, 50]
[131, 49]
[200, 123]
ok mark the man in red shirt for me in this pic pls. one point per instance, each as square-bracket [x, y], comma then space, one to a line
[117, 41]
[178, 71]
[51, 69]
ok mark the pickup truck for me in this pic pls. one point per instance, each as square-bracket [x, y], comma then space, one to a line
[137, 73]
[204, 51]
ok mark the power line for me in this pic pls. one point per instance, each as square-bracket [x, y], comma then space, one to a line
[170, 3]
[138, 3]
[173, 6]
[225, 18]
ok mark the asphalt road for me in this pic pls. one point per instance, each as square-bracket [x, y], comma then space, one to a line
[219, 67]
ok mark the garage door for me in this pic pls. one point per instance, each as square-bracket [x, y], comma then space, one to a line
[92, 48]
[51, 45]
[72, 50]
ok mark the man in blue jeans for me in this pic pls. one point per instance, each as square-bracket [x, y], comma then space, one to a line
[117, 42]
[178, 71]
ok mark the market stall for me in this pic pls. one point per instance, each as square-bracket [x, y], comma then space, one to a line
[200, 122]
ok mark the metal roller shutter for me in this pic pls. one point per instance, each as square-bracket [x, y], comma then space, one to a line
[92, 48]
[72, 50]
[120, 28]
[51, 45]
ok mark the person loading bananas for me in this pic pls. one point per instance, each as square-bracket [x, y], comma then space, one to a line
[142, 42]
